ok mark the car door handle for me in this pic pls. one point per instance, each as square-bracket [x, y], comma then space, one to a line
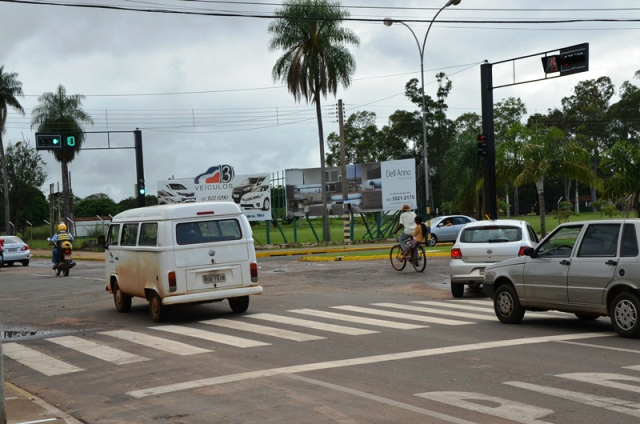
[611, 262]
[565, 262]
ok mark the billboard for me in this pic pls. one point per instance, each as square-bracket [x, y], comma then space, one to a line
[220, 183]
[371, 187]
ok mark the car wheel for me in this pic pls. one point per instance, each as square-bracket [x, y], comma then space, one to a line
[158, 311]
[122, 301]
[25, 262]
[457, 290]
[432, 241]
[624, 314]
[239, 304]
[507, 305]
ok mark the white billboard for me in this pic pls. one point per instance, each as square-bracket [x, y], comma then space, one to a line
[399, 184]
[219, 183]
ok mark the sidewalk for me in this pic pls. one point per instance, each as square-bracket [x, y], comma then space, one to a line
[23, 407]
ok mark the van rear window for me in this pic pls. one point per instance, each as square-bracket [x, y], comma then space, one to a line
[208, 231]
[491, 234]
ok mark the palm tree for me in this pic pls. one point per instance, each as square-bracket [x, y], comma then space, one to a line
[10, 87]
[315, 59]
[61, 113]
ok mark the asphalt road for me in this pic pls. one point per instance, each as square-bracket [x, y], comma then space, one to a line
[338, 342]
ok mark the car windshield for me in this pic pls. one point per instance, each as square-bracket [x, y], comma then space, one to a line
[491, 234]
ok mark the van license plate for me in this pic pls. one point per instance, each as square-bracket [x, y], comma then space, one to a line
[214, 278]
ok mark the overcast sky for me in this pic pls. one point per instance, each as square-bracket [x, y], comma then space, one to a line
[201, 90]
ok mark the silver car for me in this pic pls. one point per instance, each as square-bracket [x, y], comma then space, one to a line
[482, 243]
[15, 250]
[446, 228]
[588, 268]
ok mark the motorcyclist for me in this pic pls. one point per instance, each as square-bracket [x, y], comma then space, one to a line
[57, 239]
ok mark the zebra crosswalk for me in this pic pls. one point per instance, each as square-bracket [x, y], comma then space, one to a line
[282, 327]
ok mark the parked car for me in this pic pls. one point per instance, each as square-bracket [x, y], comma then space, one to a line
[482, 243]
[15, 250]
[446, 228]
[588, 268]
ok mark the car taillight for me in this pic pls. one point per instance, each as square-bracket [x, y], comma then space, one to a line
[522, 249]
[254, 272]
[25, 247]
[172, 281]
[456, 253]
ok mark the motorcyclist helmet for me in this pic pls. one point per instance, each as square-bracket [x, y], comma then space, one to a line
[62, 227]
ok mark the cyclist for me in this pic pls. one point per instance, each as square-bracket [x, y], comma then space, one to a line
[407, 223]
[419, 236]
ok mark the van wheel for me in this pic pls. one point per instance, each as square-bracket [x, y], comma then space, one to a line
[239, 304]
[122, 301]
[158, 311]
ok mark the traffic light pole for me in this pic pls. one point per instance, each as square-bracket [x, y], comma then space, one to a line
[490, 194]
[141, 192]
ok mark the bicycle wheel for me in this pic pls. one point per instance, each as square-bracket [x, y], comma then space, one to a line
[398, 262]
[420, 263]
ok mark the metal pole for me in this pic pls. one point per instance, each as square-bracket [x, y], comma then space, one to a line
[139, 166]
[490, 193]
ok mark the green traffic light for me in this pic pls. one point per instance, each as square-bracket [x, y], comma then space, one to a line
[71, 141]
[55, 141]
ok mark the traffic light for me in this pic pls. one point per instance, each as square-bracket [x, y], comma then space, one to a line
[483, 148]
[141, 189]
[571, 60]
[48, 142]
[70, 141]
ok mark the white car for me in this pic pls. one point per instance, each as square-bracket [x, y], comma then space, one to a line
[15, 250]
[482, 243]
[257, 199]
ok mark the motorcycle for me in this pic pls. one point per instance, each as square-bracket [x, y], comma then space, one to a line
[65, 263]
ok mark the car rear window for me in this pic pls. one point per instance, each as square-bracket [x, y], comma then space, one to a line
[491, 234]
[208, 231]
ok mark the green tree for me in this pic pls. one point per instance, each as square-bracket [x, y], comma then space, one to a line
[96, 204]
[10, 88]
[315, 59]
[132, 202]
[26, 173]
[61, 113]
[623, 115]
[361, 139]
[620, 164]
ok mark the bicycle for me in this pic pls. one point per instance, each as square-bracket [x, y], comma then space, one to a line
[399, 261]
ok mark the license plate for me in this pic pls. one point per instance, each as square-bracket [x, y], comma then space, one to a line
[67, 257]
[214, 278]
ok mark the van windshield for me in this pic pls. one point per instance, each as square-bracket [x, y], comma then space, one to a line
[208, 231]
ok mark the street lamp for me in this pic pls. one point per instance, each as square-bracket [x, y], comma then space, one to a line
[389, 22]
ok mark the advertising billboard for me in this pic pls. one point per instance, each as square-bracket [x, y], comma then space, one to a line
[220, 183]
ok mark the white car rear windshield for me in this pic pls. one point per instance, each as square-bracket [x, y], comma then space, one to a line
[208, 231]
[491, 234]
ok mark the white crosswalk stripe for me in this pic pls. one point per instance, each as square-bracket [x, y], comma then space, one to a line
[352, 331]
[158, 343]
[436, 311]
[262, 329]
[210, 336]
[356, 319]
[487, 306]
[400, 315]
[38, 361]
[97, 350]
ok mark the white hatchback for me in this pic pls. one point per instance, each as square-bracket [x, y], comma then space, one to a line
[482, 243]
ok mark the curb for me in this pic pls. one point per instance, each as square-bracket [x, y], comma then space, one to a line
[361, 258]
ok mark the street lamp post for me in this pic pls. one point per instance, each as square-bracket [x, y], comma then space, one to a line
[389, 22]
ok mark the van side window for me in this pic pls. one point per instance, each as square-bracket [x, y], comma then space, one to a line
[129, 234]
[629, 241]
[113, 238]
[208, 231]
[149, 234]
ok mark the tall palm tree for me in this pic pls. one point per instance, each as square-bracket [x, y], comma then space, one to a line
[61, 113]
[315, 59]
[10, 87]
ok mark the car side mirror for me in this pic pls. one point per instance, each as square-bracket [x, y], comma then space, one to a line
[531, 252]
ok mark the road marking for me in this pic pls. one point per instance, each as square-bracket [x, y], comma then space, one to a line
[210, 336]
[400, 315]
[38, 361]
[97, 350]
[295, 369]
[159, 343]
[612, 404]
[488, 307]
[359, 320]
[457, 305]
[352, 331]
[385, 401]
[617, 349]
[605, 379]
[436, 311]
[262, 329]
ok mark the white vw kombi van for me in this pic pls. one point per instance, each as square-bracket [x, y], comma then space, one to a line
[178, 254]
